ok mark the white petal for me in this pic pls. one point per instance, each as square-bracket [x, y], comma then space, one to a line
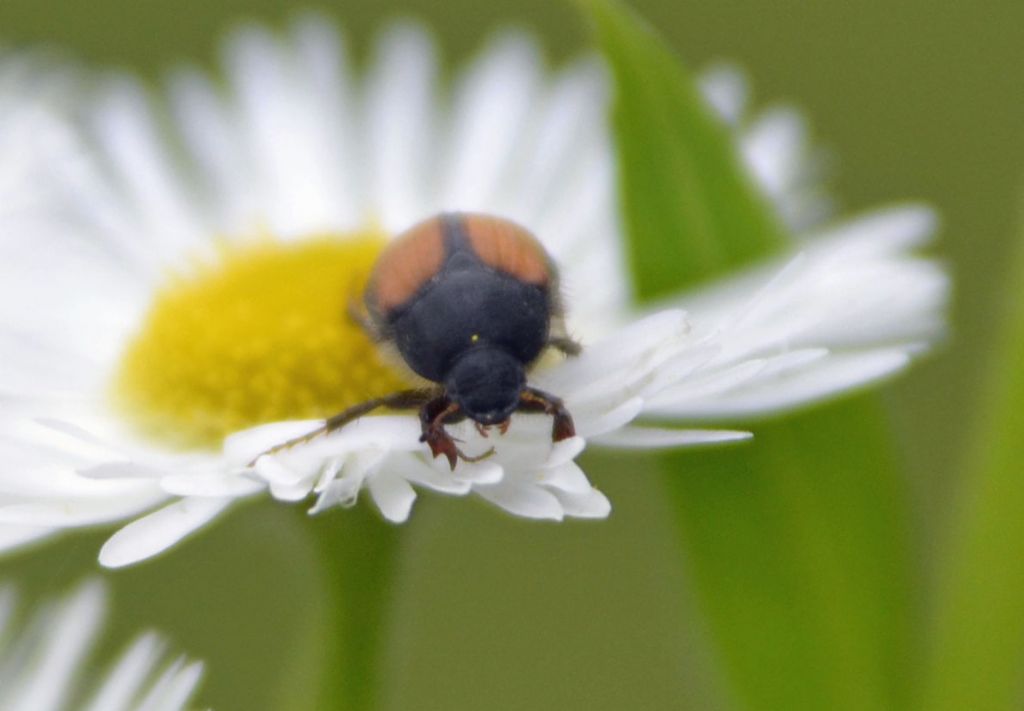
[884, 231]
[31, 481]
[616, 352]
[523, 499]
[73, 433]
[72, 512]
[491, 106]
[588, 504]
[14, 536]
[393, 496]
[332, 466]
[342, 491]
[725, 88]
[485, 472]
[68, 640]
[836, 375]
[45, 666]
[216, 484]
[773, 149]
[626, 412]
[121, 470]
[743, 376]
[212, 143]
[330, 108]
[128, 675]
[154, 533]
[416, 471]
[125, 125]
[658, 438]
[286, 484]
[342, 478]
[400, 126]
[565, 136]
[565, 451]
[280, 131]
[566, 477]
[173, 688]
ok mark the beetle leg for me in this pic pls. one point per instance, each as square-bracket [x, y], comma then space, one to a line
[476, 458]
[402, 400]
[433, 414]
[533, 400]
[566, 345]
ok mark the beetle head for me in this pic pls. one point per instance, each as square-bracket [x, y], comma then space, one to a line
[486, 383]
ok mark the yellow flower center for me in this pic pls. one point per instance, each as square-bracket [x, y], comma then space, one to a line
[260, 334]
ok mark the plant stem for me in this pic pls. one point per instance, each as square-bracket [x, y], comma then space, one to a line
[359, 553]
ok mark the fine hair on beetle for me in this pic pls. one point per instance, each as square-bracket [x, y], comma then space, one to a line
[469, 302]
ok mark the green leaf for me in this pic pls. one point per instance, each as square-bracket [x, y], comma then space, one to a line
[796, 544]
[690, 209]
[978, 635]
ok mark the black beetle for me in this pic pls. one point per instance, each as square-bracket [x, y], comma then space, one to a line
[470, 302]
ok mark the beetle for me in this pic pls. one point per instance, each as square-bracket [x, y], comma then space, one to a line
[469, 302]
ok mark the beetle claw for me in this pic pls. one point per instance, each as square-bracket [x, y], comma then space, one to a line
[440, 443]
[562, 428]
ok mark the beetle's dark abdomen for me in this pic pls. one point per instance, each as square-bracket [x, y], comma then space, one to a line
[491, 286]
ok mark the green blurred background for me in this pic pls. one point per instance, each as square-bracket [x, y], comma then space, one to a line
[916, 99]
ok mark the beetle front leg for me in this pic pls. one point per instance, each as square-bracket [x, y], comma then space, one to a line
[402, 400]
[433, 416]
[533, 400]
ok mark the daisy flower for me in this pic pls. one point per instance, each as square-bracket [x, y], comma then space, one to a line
[176, 304]
[43, 665]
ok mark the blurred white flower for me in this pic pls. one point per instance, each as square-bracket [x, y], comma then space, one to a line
[776, 147]
[195, 253]
[45, 665]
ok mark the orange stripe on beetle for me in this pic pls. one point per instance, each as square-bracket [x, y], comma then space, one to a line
[411, 260]
[507, 247]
